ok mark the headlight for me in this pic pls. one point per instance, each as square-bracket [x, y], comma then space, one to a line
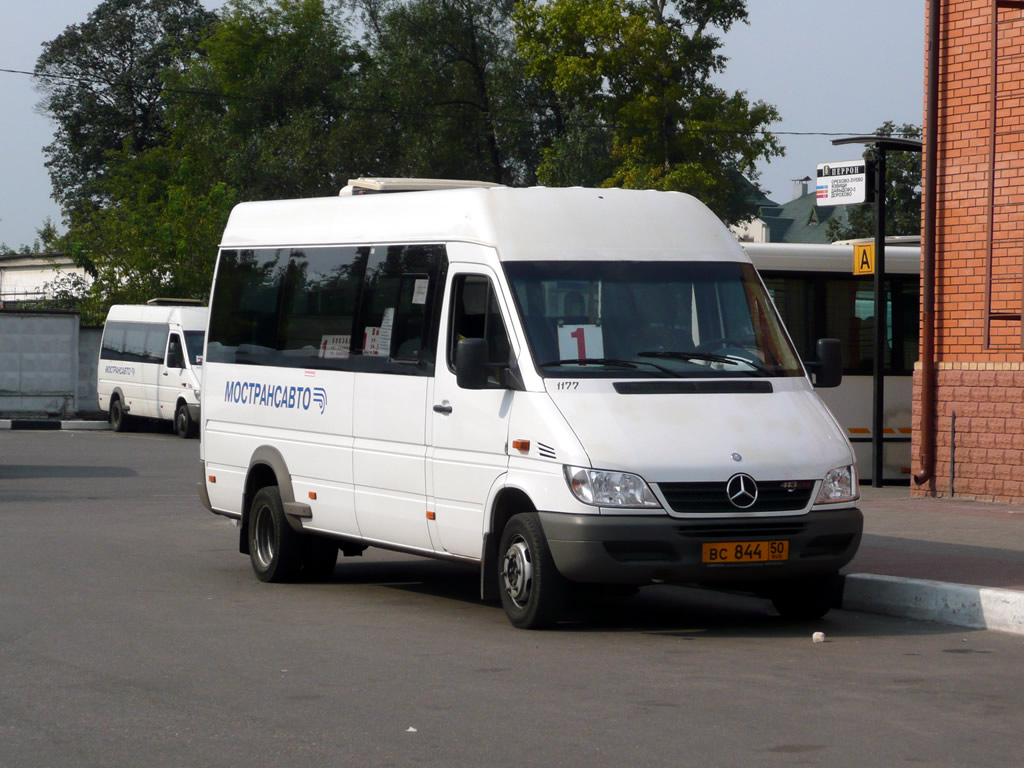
[840, 484]
[609, 489]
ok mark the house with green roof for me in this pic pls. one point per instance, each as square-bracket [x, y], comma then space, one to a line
[800, 220]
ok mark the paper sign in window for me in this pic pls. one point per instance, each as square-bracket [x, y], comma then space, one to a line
[419, 291]
[576, 342]
[335, 347]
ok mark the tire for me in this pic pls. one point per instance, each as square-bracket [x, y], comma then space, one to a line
[319, 557]
[183, 423]
[275, 549]
[119, 418]
[531, 588]
[808, 598]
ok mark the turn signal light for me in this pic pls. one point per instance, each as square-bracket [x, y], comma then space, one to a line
[521, 445]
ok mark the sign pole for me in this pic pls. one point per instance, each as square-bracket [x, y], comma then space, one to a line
[881, 324]
[881, 144]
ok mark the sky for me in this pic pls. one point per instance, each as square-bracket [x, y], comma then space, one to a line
[828, 66]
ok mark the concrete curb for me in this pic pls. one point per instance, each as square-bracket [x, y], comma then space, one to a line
[47, 424]
[961, 605]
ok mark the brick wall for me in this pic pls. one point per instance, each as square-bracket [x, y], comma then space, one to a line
[988, 401]
[979, 358]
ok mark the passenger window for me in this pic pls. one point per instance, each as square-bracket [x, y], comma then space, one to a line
[475, 315]
[367, 308]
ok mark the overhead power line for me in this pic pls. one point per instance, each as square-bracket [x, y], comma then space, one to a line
[82, 79]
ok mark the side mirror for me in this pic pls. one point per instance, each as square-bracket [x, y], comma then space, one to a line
[471, 363]
[828, 371]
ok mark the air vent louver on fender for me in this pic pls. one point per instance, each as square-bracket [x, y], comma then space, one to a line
[546, 451]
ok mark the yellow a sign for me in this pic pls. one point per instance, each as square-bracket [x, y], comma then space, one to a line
[864, 259]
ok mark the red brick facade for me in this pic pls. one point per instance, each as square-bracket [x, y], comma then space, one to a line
[979, 287]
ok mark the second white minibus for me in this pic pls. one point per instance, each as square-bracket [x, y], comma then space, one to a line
[150, 364]
[561, 386]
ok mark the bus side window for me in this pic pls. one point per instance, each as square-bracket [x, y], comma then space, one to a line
[411, 319]
[475, 315]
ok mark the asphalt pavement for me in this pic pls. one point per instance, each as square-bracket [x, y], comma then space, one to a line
[949, 560]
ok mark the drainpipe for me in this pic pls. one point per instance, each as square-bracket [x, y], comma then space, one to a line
[931, 157]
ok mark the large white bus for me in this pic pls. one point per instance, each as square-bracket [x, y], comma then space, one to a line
[150, 364]
[818, 295]
[561, 386]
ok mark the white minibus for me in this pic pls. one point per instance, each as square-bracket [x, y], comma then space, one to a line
[150, 364]
[564, 387]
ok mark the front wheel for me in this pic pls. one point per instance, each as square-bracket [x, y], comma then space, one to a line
[532, 590]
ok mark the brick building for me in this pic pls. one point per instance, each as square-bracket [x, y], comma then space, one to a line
[975, 119]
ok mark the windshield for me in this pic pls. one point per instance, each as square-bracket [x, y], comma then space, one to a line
[194, 344]
[645, 318]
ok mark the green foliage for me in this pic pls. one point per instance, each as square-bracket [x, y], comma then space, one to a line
[159, 241]
[448, 91]
[271, 107]
[102, 83]
[168, 115]
[641, 71]
[902, 193]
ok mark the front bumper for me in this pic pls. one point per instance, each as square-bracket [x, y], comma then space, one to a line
[642, 549]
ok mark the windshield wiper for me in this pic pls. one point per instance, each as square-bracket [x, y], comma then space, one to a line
[706, 356]
[610, 362]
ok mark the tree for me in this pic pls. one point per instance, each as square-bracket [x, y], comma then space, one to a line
[273, 106]
[902, 193]
[449, 89]
[635, 76]
[103, 85]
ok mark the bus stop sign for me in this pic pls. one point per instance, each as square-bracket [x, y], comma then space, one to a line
[843, 183]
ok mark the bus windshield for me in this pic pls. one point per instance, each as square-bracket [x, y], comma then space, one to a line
[649, 318]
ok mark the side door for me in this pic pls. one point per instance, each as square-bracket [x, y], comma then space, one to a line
[391, 393]
[469, 428]
[174, 377]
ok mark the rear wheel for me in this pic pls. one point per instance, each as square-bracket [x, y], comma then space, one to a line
[532, 590]
[274, 548]
[808, 598]
[119, 418]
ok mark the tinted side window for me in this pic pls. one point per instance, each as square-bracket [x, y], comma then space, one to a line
[349, 308]
[816, 306]
[113, 342]
[395, 329]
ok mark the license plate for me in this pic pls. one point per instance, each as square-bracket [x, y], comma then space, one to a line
[745, 551]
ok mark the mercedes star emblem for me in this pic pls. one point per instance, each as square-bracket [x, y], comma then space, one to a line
[742, 491]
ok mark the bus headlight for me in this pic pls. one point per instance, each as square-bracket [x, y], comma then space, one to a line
[609, 489]
[840, 484]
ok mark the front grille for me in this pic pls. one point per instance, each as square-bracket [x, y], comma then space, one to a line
[766, 529]
[709, 498]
